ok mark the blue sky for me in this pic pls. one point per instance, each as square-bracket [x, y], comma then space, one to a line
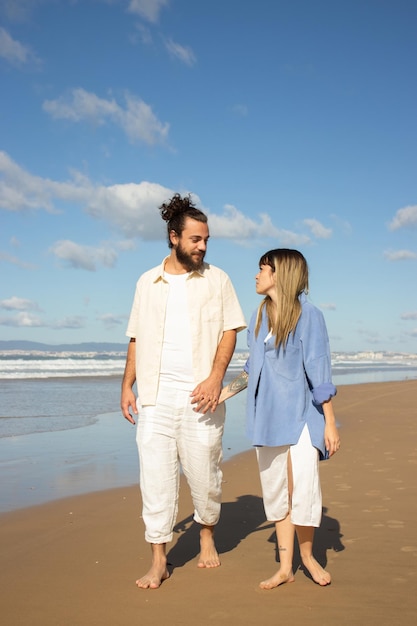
[292, 124]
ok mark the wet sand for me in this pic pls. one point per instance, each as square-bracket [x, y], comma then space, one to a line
[74, 562]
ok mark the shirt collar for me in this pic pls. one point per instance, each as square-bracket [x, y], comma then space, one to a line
[159, 271]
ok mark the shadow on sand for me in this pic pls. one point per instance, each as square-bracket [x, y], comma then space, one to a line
[326, 537]
[238, 520]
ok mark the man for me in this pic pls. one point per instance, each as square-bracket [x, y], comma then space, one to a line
[182, 330]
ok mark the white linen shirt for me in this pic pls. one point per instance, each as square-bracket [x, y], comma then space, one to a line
[213, 309]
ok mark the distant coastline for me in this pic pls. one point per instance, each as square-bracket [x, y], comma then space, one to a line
[100, 347]
[14, 345]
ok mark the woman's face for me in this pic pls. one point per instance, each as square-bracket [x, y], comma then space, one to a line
[265, 282]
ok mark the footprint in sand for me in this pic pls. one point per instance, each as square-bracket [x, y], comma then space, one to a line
[343, 487]
[393, 523]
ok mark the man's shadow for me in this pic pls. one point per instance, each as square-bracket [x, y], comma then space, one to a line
[238, 520]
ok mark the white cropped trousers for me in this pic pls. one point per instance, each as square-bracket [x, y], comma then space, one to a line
[306, 501]
[171, 435]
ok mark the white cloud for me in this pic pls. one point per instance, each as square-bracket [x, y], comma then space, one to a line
[136, 119]
[372, 336]
[317, 229]
[83, 257]
[15, 52]
[19, 10]
[126, 244]
[147, 9]
[13, 260]
[183, 53]
[131, 208]
[409, 316]
[22, 319]
[71, 322]
[240, 109]
[110, 321]
[404, 218]
[21, 190]
[328, 307]
[143, 33]
[343, 224]
[234, 225]
[19, 304]
[400, 255]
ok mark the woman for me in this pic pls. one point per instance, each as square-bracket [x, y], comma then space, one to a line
[290, 417]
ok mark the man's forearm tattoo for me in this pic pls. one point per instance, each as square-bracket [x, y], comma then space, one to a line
[239, 383]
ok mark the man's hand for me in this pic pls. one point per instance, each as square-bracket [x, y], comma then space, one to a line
[128, 398]
[128, 401]
[205, 396]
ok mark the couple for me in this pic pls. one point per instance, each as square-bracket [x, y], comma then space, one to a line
[182, 328]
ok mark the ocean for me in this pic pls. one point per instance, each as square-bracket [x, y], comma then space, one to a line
[48, 391]
[62, 433]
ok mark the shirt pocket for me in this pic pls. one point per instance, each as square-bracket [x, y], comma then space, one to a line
[286, 364]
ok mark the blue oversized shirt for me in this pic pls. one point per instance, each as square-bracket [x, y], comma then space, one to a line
[286, 388]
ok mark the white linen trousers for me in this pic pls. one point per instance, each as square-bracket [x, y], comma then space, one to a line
[306, 501]
[171, 435]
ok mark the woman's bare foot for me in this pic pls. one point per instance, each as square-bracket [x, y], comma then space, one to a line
[277, 579]
[317, 573]
[208, 554]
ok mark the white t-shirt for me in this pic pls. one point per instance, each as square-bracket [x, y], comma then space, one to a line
[176, 359]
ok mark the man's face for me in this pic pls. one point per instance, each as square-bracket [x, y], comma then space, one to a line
[190, 248]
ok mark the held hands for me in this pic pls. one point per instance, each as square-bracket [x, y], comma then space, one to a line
[205, 396]
[128, 400]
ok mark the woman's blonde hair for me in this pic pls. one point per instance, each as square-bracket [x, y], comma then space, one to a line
[291, 279]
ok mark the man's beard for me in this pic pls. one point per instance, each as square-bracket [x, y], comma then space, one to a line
[191, 262]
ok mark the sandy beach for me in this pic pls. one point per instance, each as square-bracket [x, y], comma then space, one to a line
[74, 562]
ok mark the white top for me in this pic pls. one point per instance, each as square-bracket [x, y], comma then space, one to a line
[176, 359]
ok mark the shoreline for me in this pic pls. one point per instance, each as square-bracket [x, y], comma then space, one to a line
[394, 373]
[74, 561]
[43, 467]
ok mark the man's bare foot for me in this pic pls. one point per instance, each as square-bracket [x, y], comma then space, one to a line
[277, 579]
[154, 578]
[158, 571]
[317, 573]
[208, 554]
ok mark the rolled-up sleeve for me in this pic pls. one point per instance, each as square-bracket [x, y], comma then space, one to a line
[323, 393]
[316, 355]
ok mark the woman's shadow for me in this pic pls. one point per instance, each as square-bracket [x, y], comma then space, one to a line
[238, 520]
[326, 537]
